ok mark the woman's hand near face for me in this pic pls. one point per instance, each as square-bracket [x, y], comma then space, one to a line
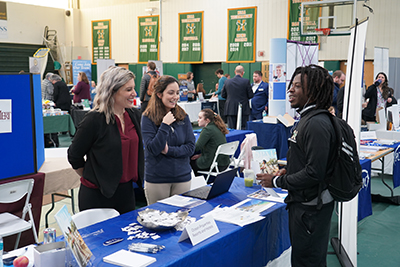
[169, 118]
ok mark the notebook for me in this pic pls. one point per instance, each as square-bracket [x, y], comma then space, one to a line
[129, 259]
[221, 184]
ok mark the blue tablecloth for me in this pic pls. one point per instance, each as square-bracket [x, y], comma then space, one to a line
[251, 245]
[233, 135]
[364, 196]
[271, 136]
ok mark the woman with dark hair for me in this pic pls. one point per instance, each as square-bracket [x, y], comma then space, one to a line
[107, 150]
[212, 136]
[379, 95]
[169, 142]
[82, 88]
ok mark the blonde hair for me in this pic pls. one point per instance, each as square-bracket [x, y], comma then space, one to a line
[110, 82]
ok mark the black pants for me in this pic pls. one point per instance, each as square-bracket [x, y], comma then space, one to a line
[123, 199]
[309, 233]
[221, 108]
[232, 120]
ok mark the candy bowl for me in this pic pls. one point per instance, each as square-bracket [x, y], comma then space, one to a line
[157, 220]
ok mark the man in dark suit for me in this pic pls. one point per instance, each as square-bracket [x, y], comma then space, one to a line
[259, 102]
[237, 91]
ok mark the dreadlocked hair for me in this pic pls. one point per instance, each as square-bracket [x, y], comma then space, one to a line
[216, 119]
[319, 84]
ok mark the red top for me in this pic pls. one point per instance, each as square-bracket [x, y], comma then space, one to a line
[130, 151]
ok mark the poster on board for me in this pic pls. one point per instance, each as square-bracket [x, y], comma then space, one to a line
[241, 35]
[101, 40]
[148, 39]
[191, 37]
[81, 65]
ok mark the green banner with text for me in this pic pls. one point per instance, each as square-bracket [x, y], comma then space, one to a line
[191, 37]
[148, 38]
[294, 32]
[101, 40]
[241, 35]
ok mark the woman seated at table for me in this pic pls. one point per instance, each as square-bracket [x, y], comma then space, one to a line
[82, 88]
[107, 150]
[212, 135]
[200, 89]
[169, 142]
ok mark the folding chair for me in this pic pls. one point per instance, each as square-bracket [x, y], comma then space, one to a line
[92, 216]
[227, 149]
[9, 223]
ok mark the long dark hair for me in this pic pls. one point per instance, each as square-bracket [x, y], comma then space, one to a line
[156, 109]
[216, 119]
[386, 90]
[319, 85]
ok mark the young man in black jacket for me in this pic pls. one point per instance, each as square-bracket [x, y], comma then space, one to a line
[309, 158]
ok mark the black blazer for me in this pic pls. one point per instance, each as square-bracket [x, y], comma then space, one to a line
[101, 143]
[61, 96]
[237, 90]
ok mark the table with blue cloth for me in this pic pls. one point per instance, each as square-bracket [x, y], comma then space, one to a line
[233, 135]
[252, 245]
[271, 136]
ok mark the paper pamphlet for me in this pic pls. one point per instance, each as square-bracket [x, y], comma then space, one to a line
[78, 247]
[270, 119]
[264, 195]
[182, 201]
[253, 205]
[286, 120]
[129, 259]
[266, 160]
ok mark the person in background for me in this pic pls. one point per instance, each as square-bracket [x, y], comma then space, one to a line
[200, 89]
[237, 91]
[169, 142]
[189, 83]
[228, 76]
[82, 88]
[221, 100]
[311, 152]
[338, 78]
[259, 102]
[47, 88]
[379, 95]
[212, 136]
[61, 96]
[107, 150]
[93, 87]
[144, 84]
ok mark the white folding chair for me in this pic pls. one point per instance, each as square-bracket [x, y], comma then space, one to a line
[227, 149]
[9, 223]
[92, 216]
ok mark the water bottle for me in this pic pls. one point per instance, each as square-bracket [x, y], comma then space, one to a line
[1, 251]
[378, 82]
[264, 113]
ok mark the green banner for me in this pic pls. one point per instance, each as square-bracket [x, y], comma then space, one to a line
[101, 40]
[148, 38]
[241, 35]
[191, 37]
[294, 32]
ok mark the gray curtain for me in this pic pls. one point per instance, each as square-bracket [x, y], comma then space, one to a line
[394, 74]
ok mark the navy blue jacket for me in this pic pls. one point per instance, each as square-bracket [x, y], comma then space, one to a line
[259, 100]
[237, 90]
[173, 167]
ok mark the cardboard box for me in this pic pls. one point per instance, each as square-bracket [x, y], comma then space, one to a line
[51, 254]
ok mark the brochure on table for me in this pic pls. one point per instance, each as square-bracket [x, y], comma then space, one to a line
[80, 250]
[266, 161]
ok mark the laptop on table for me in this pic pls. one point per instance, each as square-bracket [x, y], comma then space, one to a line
[221, 185]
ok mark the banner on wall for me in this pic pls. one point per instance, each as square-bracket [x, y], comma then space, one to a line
[241, 35]
[148, 38]
[3, 20]
[101, 40]
[81, 66]
[294, 22]
[191, 37]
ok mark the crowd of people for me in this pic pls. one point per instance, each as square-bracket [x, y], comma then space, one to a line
[155, 147]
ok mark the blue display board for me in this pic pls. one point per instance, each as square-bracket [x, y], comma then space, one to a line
[81, 65]
[22, 148]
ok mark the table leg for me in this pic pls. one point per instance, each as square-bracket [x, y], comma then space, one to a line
[382, 160]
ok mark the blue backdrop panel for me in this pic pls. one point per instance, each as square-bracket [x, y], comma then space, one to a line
[37, 96]
[18, 148]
